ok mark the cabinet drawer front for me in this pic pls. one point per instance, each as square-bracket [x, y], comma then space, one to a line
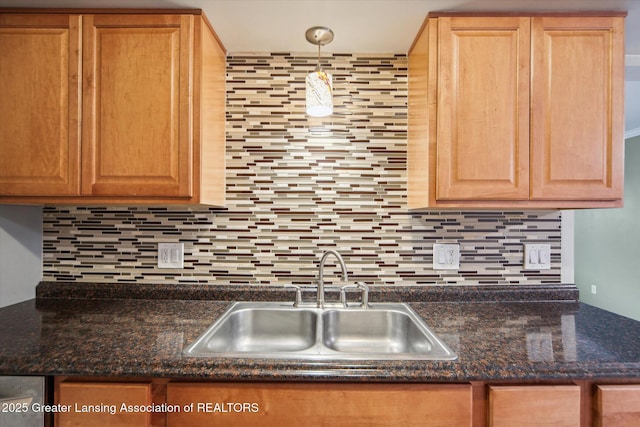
[534, 406]
[39, 108]
[321, 405]
[137, 105]
[617, 405]
[100, 404]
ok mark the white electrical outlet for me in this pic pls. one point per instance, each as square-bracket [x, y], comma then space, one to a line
[446, 256]
[537, 256]
[170, 255]
[594, 289]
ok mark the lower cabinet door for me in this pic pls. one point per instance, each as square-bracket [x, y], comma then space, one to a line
[100, 404]
[617, 406]
[319, 404]
[523, 406]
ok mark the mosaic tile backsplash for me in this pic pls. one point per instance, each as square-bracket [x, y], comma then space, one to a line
[297, 186]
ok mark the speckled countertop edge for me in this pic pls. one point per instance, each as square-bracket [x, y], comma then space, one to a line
[234, 292]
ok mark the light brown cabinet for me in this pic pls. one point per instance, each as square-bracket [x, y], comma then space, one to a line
[101, 404]
[169, 402]
[152, 119]
[39, 105]
[350, 405]
[531, 405]
[516, 111]
[136, 138]
[617, 405]
[483, 108]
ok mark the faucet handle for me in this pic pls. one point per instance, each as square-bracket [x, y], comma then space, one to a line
[365, 294]
[343, 294]
[298, 299]
[359, 285]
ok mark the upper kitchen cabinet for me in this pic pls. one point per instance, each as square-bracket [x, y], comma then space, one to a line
[516, 112]
[577, 114]
[152, 117]
[136, 136]
[39, 105]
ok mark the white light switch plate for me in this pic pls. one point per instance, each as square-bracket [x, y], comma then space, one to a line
[446, 256]
[170, 255]
[537, 256]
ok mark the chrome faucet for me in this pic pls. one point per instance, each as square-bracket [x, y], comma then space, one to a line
[320, 296]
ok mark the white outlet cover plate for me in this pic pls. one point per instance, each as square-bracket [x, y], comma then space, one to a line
[446, 256]
[170, 255]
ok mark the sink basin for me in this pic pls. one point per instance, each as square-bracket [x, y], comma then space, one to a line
[257, 329]
[264, 329]
[374, 331]
[389, 331]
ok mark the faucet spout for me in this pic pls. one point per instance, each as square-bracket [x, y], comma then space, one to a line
[323, 260]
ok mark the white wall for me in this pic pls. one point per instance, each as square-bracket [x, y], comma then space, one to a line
[20, 253]
[607, 247]
[567, 274]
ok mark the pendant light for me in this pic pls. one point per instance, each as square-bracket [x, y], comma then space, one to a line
[319, 87]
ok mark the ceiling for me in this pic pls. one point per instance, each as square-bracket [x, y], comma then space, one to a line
[362, 26]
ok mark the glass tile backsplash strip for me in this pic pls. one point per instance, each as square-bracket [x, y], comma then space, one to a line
[297, 186]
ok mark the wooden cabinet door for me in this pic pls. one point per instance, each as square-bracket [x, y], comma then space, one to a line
[617, 406]
[100, 404]
[320, 405]
[534, 406]
[137, 107]
[577, 108]
[39, 105]
[483, 108]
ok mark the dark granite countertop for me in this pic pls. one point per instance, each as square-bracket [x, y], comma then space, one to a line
[496, 338]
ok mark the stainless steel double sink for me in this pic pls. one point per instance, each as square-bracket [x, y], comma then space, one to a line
[384, 331]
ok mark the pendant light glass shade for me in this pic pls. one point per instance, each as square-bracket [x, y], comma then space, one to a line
[319, 94]
[319, 87]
